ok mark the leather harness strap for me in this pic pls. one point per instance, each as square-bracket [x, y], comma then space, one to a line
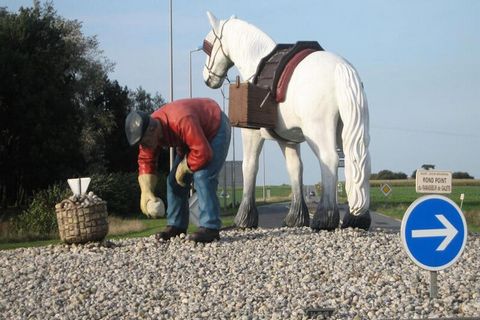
[287, 72]
[275, 69]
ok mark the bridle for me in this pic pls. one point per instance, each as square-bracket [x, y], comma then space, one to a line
[208, 47]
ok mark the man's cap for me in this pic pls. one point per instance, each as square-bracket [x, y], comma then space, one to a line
[136, 124]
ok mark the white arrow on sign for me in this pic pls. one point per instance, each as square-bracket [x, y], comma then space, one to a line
[449, 232]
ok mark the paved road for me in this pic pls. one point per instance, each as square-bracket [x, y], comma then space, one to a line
[272, 216]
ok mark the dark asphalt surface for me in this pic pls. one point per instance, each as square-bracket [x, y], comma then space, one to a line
[272, 216]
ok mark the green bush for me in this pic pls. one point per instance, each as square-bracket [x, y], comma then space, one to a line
[39, 219]
[122, 193]
[461, 175]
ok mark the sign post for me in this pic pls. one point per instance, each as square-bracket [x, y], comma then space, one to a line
[434, 234]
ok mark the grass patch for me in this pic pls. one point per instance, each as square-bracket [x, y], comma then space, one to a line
[7, 234]
[119, 226]
[118, 229]
[403, 194]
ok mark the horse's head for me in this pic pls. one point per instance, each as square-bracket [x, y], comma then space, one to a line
[218, 62]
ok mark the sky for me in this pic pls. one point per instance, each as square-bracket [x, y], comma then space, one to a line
[418, 60]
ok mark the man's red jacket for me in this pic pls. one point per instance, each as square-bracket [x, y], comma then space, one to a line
[188, 125]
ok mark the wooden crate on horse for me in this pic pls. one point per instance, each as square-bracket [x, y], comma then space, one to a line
[251, 106]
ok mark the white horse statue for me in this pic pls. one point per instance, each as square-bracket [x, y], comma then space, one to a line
[324, 90]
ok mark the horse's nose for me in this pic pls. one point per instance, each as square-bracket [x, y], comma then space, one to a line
[207, 82]
[211, 83]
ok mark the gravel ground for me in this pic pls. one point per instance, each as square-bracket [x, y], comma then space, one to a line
[285, 273]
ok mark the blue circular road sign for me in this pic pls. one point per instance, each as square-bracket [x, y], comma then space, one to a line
[433, 232]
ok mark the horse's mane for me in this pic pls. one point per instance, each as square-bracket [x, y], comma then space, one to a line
[241, 35]
[249, 32]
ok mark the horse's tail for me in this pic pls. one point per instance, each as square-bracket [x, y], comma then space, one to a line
[353, 107]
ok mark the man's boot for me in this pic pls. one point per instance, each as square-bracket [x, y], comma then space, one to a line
[170, 232]
[205, 235]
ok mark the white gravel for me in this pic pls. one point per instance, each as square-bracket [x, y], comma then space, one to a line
[282, 273]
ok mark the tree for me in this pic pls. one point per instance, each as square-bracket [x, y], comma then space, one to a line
[414, 174]
[60, 114]
[388, 175]
[49, 72]
[461, 175]
[425, 167]
[143, 101]
[107, 149]
[428, 166]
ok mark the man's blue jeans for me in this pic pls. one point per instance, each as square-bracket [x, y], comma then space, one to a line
[206, 183]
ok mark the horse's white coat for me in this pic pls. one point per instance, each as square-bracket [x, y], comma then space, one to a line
[323, 88]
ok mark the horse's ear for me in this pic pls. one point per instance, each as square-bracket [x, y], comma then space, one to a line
[213, 22]
[233, 17]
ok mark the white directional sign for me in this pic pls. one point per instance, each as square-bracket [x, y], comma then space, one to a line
[433, 181]
[433, 232]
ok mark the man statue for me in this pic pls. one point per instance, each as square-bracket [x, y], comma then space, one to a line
[200, 132]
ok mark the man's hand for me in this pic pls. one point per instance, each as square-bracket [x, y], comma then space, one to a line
[182, 171]
[147, 184]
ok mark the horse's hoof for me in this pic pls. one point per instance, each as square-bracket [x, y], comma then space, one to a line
[247, 216]
[297, 219]
[361, 221]
[244, 226]
[298, 215]
[325, 219]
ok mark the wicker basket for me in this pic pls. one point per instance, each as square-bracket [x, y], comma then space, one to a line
[80, 223]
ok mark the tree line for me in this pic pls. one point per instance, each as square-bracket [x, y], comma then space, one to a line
[390, 175]
[61, 116]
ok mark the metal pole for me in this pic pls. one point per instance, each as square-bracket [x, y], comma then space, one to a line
[234, 167]
[190, 91]
[433, 285]
[224, 170]
[190, 70]
[172, 155]
[190, 76]
[264, 192]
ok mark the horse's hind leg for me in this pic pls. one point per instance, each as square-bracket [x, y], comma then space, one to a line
[298, 214]
[247, 214]
[327, 216]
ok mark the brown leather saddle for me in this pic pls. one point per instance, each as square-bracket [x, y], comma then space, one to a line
[275, 70]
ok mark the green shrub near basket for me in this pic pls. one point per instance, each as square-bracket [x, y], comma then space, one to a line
[39, 220]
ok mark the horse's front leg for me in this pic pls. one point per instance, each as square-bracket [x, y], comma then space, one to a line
[298, 215]
[247, 214]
